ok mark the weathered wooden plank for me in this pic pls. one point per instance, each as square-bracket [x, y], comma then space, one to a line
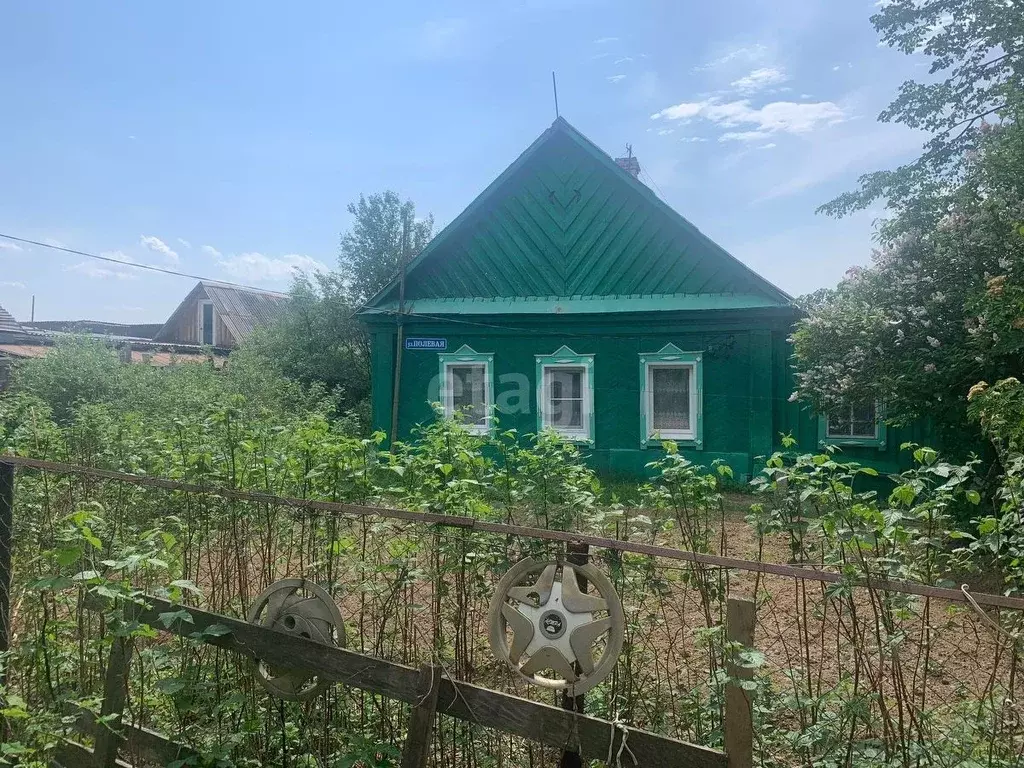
[115, 694]
[71, 754]
[739, 724]
[421, 721]
[144, 743]
[531, 720]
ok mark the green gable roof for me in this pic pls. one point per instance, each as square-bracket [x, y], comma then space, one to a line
[564, 225]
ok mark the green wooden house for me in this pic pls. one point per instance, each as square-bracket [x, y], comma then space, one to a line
[569, 296]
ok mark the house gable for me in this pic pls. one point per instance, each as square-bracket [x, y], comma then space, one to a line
[565, 221]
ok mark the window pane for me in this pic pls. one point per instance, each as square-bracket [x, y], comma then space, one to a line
[839, 423]
[563, 389]
[469, 392]
[207, 324]
[863, 420]
[670, 398]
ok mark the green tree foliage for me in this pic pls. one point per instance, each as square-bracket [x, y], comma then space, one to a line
[940, 306]
[371, 251]
[978, 47]
[318, 340]
[82, 372]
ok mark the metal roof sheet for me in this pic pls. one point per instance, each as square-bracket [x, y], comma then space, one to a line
[241, 309]
[7, 322]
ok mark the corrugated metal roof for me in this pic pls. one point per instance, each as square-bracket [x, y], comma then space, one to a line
[243, 310]
[240, 309]
[7, 322]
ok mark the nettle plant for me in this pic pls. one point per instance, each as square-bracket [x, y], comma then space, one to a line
[874, 707]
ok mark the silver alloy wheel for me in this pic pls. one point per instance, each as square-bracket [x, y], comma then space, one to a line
[303, 609]
[553, 624]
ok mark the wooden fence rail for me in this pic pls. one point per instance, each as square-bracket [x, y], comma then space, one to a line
[592, 737]
[878, 581]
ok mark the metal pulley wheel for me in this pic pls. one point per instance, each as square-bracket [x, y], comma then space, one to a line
[540, 624]
[304, 609]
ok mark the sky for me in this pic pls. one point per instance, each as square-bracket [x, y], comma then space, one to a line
[226, 139]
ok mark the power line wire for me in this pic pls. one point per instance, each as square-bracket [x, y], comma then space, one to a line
[131, 263]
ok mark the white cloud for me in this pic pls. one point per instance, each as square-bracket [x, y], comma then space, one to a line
[258, 267]
[184, 242]
[747, 53]
[769, 145]
[666, 131]
[835, 68]
[209, 250]
[12, 284]
[616, 78]
[760, 78]
[5, 246]
[744, 135]
[776, 117]
[157, 245]
[692, 139]
[54, 242]
[95, 269]
[606, 40]
[623, 60]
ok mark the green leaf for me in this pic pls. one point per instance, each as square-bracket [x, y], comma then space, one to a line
[169, 618]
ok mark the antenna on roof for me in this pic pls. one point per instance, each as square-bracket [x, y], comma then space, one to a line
[629, 150]
[554, 87]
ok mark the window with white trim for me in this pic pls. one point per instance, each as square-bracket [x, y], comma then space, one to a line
[671, 383]
[466, 388]
[671, 398]
[858, 421]
[565, 394]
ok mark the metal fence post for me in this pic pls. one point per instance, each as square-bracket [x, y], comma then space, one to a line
[739, 711]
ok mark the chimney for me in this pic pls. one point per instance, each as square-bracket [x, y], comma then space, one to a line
[629, 163]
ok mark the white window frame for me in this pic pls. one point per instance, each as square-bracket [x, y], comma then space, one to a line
[671, 434]
[562, 359]
[672, 356]
[464, 358]
[213, 320]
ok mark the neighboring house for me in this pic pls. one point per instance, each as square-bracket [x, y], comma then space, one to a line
[569, 296]
[97, 328]
[218, 315]
[23, 341]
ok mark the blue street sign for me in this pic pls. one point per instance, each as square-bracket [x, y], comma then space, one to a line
[433, 344]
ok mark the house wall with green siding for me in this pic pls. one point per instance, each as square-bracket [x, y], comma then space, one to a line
[565, 248]
[747, 380]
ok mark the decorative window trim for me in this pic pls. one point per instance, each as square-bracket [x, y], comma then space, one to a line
[562, 358]
[462, 356]
[671, 355]
[878, 441]
[213, 318]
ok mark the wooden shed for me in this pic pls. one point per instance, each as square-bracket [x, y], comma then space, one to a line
[568, 296]
[220, 315]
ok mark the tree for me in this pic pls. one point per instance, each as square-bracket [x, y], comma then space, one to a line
[371, 251]
[979, 46]
[940, 308]
[319, 340]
